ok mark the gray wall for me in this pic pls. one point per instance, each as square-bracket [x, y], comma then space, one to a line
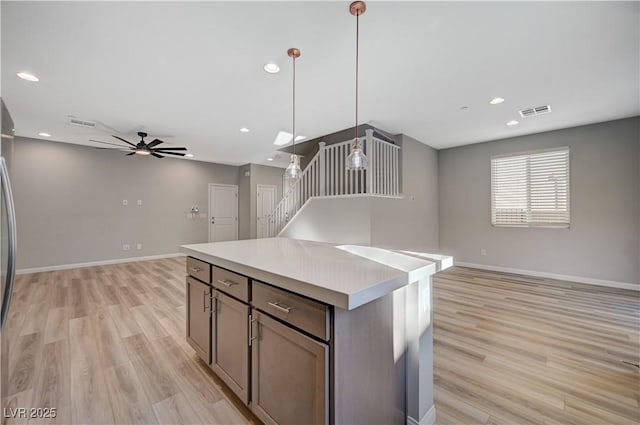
[602, 242]
[412, 222]
[69, 202]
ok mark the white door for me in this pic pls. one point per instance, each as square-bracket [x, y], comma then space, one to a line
[223, 212]
[266, 204]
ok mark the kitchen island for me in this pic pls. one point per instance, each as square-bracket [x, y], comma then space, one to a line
[310, 332]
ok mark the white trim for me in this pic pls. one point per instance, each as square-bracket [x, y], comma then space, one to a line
[98, 263]
[578, 279]
[429, 418]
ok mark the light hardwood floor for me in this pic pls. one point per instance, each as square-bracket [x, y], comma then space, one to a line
[106, 345]
[511, 349]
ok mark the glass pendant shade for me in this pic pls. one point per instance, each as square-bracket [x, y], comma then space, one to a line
[293, 171]
[356, 160]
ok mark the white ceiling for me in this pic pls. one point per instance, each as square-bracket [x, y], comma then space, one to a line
[194, 70]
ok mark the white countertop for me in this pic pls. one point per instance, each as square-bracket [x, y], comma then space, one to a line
[345, 276]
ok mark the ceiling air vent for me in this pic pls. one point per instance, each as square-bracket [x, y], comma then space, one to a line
[80, 123]
[532, 112]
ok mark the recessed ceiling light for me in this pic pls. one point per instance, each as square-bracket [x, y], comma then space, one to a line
[44, 134]
[244, 130]
[512, 123]
[284, 137]
[496, 101]
[271, 68]
[188, 155]
[269, 159]
[28, 77]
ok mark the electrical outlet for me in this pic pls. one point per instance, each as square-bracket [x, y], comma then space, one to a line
[126, 247]
[139, 246]
[125, 202]
[139, 202]
[483, 251]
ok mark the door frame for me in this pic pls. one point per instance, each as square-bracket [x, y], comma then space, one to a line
[235, 186]
[275, 203]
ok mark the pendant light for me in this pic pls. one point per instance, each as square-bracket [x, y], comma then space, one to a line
[356, 160]
[293, 171]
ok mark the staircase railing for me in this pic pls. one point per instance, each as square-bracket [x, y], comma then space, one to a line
[327, 175]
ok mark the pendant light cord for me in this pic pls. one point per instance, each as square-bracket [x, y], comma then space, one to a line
[357, 51]
[294, 106]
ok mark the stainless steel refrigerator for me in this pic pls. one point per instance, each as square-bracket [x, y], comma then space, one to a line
[7, 253]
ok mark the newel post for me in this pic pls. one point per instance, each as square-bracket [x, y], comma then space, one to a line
[321, 164]
[368, 149]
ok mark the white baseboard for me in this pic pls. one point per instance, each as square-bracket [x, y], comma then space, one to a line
[97, 263]
[429, 418]
[579, 279]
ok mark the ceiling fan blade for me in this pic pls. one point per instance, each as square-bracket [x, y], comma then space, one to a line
[107, 143]
[154, 143]
[156, 155]
[126, 141]
[171, 153]
[112, 149]
[132, 153]
[169, 149]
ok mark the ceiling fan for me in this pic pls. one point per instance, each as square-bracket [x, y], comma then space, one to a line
[143, 148]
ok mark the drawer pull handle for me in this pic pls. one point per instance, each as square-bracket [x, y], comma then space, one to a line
[204, 300]
[277, 306]
[195, 269]
[227, 283]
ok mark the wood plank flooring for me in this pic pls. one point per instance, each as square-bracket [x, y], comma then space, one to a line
[511, 349]
[106, 345]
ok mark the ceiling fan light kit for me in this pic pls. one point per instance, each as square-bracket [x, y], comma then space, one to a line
[145, 149]
[356, 160]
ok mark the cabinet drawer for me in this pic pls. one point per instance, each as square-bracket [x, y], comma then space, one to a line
[308, 315]
[231, 283]
[199, 269]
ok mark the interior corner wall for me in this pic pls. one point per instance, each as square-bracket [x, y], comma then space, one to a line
[244, 202]
[69, 205]
[411, 222]
[603, 240]
[262, 174]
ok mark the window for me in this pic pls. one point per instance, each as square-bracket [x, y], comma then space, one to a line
[531, 189]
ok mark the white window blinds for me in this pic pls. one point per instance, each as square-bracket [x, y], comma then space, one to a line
[531, 189]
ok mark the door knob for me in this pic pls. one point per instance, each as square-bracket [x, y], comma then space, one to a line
[213, 221]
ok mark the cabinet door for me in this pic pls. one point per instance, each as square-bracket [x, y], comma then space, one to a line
[199, 318]
[289, 374]
[230, 344]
